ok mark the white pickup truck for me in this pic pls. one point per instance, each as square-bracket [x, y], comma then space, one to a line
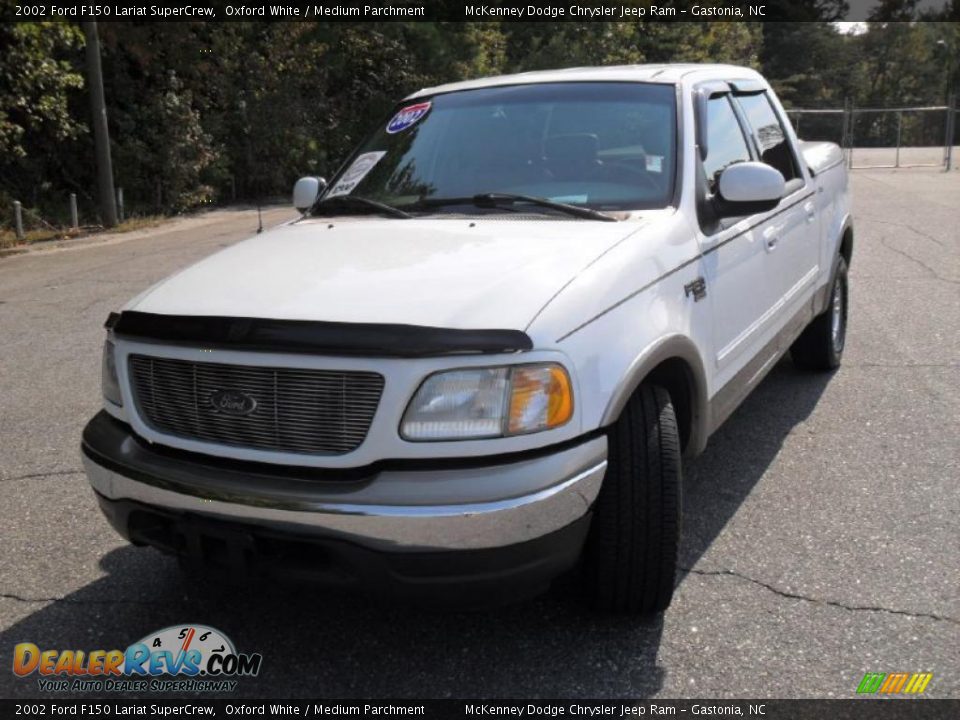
[477, 360]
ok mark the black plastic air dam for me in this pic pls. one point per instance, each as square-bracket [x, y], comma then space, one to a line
[316, 337]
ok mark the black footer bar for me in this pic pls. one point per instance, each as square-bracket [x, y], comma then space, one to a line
[854, 708]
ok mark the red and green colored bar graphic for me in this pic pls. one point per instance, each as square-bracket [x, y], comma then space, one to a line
[894, 683]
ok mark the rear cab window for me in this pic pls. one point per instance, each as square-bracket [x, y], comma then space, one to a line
[770, 137]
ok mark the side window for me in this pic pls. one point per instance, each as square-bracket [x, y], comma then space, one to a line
[725, 141]
[772, 140]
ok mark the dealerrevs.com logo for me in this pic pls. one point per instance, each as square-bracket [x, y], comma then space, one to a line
[176, 659]
[894, 683]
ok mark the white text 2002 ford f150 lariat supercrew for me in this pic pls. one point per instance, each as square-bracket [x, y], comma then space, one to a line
[477, 359]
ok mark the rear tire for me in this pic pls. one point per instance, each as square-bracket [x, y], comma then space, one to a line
[630, 559]
[820, 346]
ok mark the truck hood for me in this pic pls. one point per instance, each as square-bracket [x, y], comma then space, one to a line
[471, 273]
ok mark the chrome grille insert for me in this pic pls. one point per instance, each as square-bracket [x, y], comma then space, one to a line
[325, 412]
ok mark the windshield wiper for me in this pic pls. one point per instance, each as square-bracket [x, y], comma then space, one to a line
[359, 201]
[494, 199]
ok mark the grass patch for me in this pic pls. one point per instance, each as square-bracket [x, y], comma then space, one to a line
[8, 237]
[138, 223]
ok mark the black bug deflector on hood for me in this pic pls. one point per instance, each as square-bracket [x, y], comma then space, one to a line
[317, 337]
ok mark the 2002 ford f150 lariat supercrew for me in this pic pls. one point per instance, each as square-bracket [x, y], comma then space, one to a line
[479, 357]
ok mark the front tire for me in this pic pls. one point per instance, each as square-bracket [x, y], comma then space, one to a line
[630, 559]
[820, 346]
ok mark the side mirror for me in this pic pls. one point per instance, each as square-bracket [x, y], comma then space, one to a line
[306, 192]
[749, 187]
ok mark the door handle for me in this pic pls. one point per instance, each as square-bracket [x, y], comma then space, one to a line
[770, 237]
[809, 208]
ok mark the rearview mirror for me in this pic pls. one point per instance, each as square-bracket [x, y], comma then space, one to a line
[306, 192]
[749, 187]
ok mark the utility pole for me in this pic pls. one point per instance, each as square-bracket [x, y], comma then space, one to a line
[101, 134]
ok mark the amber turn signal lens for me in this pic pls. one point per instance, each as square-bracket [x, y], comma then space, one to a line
[540, 398]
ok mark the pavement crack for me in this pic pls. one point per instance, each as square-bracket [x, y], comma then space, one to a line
[32, 476]
[901, 365]
[820, 601]
[885, 242]
[912, 229]
[74, 601]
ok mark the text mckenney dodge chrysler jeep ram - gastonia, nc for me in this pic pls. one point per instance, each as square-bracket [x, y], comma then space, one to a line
[477, 359]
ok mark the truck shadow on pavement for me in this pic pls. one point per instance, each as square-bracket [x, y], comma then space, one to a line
[741, 451]
[316, 643]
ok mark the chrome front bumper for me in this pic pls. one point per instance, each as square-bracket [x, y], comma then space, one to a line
[468, 507]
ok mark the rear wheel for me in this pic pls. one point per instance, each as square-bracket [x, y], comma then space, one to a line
[820, 346]
[630, 559]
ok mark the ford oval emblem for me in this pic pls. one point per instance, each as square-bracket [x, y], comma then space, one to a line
[232, 402]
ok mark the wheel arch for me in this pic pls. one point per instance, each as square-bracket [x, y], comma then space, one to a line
[674, 363]
[844, 249]
[846, 241]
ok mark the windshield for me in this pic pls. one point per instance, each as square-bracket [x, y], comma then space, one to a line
[605, 146]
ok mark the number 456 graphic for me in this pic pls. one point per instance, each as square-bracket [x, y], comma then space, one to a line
[894, 683]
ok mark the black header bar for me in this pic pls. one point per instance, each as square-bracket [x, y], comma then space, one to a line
[441, 10]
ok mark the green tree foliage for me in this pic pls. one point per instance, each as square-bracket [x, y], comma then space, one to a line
[794, 55]
[704, 42]
[36, 78]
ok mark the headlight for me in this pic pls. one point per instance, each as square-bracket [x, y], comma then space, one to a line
[109, 381]
[489, 402]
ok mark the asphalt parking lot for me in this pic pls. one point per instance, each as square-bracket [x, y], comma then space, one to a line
[822, 526]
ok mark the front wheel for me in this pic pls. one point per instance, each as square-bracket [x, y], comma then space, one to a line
[820, 346]
[630, 559]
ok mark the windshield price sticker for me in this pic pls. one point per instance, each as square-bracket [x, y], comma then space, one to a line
[355, 173]
[408, 117]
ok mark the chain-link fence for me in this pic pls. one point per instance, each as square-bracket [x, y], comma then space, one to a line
[885, 137]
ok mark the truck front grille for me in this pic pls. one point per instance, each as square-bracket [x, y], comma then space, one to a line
[324, 412]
